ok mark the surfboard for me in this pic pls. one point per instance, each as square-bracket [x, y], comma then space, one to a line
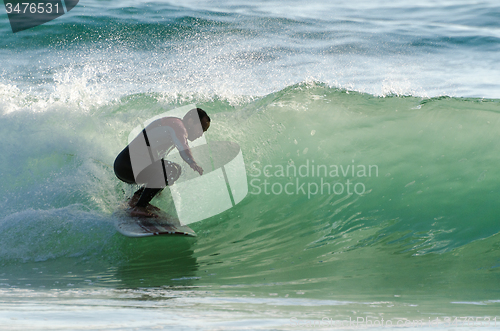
[160, 223]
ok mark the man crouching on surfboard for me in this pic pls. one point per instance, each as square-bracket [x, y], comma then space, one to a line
[142, 157]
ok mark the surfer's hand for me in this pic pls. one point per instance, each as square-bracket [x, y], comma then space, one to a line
[196, 167]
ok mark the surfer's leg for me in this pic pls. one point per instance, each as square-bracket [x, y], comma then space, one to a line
[150, 176]
[123, 167]
[173, 171]
[133, 200]
[146, 196]
[139, 191]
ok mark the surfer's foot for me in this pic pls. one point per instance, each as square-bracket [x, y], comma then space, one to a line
[141, 212]
[152, 208]
[133, 200]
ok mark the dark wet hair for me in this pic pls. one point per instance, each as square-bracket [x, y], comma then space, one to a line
[196, 111]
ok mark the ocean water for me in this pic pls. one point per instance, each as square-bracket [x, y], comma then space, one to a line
[369, 132]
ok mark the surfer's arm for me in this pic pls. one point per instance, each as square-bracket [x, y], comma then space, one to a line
[181, 143]
[188, 157]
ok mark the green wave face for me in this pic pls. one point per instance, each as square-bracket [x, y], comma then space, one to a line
[351, 197]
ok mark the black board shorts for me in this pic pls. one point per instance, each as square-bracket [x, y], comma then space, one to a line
[168, 171]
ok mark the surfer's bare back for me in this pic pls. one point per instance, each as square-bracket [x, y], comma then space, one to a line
[159, 138]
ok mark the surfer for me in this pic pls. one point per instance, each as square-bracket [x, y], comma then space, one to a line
[144, 155]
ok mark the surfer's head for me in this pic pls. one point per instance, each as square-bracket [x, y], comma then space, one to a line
[196, 122]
